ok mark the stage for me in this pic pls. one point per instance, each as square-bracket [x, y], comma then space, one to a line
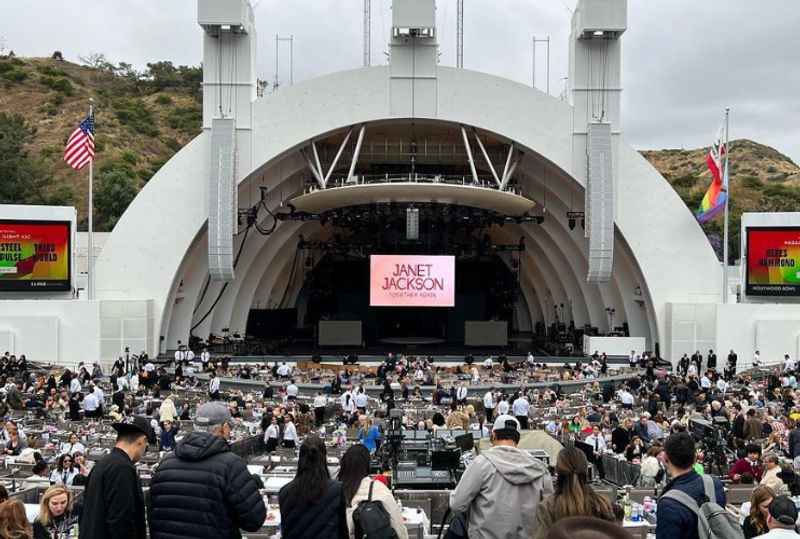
[373, 360]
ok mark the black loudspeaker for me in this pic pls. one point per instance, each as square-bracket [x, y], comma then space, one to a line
[658, 351]
[316, 358]
[469, 360]
[625, 329]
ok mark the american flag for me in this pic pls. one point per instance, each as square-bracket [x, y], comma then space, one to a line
[80, 145]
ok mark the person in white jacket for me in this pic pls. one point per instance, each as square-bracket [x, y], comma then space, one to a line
[72, 446]
[167, 411]
[356, 484]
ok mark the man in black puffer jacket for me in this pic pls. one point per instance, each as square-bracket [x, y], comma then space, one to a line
[203, 490]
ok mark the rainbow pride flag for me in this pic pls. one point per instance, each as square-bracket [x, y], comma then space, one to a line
[717, 195]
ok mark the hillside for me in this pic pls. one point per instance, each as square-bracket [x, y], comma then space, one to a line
[143, 118]
[761, 179]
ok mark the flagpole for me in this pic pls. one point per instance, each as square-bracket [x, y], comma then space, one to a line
[91, 212]
[727, 203]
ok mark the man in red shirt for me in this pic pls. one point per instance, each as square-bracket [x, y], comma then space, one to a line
[751, 464]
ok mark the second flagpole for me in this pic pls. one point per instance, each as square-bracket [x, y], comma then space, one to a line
[725, 292]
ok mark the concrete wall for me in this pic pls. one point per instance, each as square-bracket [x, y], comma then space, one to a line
[773, 329]
[66, 332]
[53, 331]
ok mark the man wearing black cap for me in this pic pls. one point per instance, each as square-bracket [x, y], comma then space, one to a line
[113, 501]
[782, 519]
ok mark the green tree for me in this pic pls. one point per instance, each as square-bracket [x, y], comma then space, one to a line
[165, 75]
[114, 191]
[24, 180]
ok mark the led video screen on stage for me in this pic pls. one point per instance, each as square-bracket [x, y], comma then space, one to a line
[773, 261]
[35, 255]
[412, 281]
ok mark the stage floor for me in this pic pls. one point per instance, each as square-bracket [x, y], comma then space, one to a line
[375, 360]
[412, 341]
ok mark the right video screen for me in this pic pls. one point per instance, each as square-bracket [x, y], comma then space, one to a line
[773, 261]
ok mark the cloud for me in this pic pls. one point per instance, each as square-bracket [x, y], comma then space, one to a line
[684, 60]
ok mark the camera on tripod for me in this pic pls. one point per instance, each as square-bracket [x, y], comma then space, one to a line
[394, 432]
[712, 435]
[703, 429]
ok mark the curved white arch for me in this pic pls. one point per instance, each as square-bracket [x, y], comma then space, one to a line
[143, 257]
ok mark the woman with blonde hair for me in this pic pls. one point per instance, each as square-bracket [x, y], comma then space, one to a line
[573, 497]
[13, 522]
[755, 523]
[56, 515]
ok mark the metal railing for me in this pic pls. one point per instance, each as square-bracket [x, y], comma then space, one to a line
[484, 182]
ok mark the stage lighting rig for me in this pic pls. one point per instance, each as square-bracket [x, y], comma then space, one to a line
[251, 215]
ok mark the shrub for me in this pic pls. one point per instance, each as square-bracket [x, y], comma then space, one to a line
[51, 71]
[172, 144]
[751, 182]
[49, 109]
[688, 181]
[115, 166]
[771, 169]
[188, 120]
[164, 100]
[780, 177]
[130, 157]
[59, 85]
[15, 75]
[134, 114]
[154, 168]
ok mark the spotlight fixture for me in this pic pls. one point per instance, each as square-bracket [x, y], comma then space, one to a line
[572, 219]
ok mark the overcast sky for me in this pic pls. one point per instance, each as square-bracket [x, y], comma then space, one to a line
[684, 60]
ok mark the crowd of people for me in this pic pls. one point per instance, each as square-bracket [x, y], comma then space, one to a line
[650, 418]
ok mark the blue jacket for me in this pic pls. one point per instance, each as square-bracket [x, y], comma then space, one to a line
[675, 519]
[370, 438]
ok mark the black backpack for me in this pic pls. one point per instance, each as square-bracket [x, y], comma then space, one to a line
[371, 520]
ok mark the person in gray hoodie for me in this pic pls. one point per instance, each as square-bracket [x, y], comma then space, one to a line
[502, 488]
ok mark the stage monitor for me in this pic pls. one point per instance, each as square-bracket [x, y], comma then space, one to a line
[412, 281]
[35, 255]
[773, 261]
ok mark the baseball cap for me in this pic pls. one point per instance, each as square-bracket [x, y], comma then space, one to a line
[784, 510]
[506, 422]
[137, 424]
[212, 413]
